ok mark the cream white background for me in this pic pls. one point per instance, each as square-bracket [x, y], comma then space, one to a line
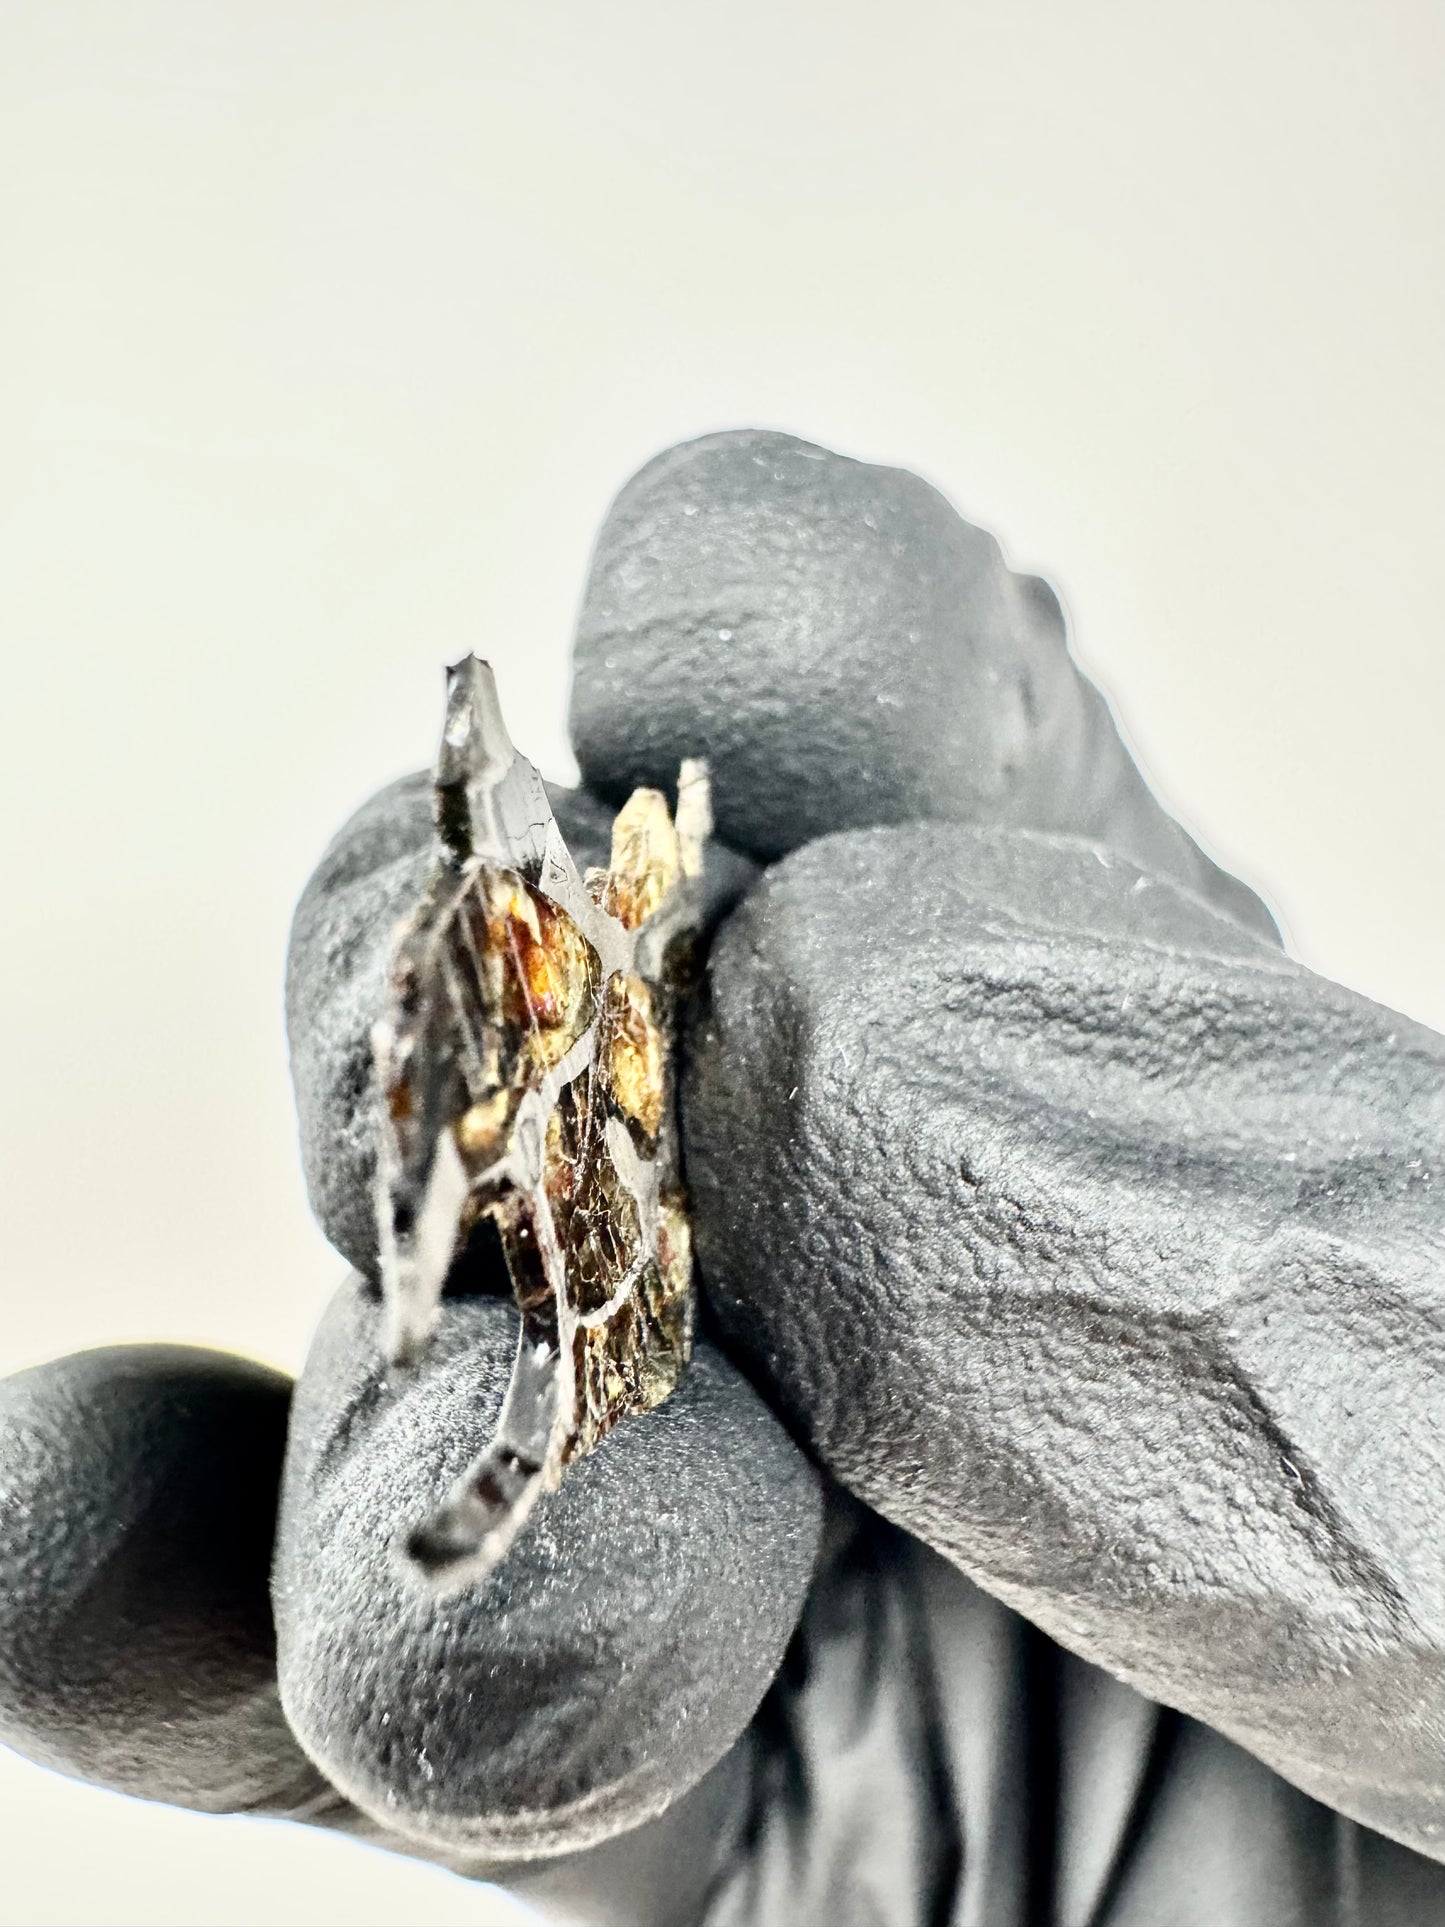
[327, 330]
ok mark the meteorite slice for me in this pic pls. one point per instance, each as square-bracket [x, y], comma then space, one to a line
[525, 1066]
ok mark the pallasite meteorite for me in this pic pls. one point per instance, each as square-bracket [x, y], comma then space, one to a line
[524, 1063]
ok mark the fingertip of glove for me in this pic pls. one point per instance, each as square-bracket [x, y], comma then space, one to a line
[136, 1644]
[831, 635]
[602, 1669]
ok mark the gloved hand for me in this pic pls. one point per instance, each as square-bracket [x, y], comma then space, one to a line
[1073, 1269]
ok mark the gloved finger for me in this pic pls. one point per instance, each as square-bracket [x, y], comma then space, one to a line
[138, 1490]
[614, 1656]
[136, 1648]
[1090, 1238]
[844, 650]
[342, 936]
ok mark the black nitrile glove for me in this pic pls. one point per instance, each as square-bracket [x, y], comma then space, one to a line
[1056, 1231]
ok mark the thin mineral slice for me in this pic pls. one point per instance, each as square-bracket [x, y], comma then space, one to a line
[524, 1062]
